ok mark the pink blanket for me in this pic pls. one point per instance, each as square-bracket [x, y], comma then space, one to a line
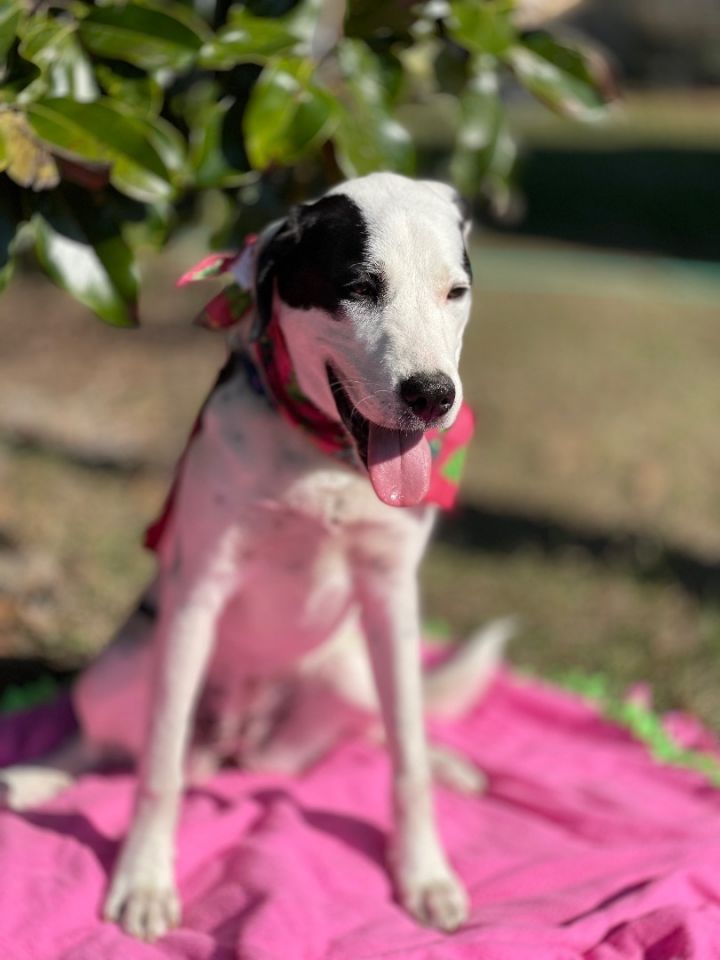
[583, 847]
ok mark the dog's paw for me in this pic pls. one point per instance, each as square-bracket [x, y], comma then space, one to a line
[143, 900]
[23, 787]
[438, 901]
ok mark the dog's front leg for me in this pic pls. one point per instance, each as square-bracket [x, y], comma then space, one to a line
[143, 896]
[426, 884]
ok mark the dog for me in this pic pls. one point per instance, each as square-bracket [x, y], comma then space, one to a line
[286, 581]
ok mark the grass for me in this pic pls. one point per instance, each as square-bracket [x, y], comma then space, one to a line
[643, 722]
[595, 381]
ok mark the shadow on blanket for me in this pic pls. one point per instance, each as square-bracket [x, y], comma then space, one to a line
[583, 847]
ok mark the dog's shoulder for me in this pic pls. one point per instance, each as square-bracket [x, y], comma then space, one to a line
[244, 445]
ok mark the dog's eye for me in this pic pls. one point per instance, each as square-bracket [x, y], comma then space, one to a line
[363, 290]
[457, 292]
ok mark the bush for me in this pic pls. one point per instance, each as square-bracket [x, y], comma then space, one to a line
[116, 118]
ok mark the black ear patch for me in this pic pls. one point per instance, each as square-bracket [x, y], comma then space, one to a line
[314, 256]
[467, 266]
[465, 210]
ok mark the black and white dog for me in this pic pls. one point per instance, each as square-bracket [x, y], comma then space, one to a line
[281, 566]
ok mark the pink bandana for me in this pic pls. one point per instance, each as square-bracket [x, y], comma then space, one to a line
[270, 372]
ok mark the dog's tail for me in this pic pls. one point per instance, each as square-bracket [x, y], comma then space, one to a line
[458, 682]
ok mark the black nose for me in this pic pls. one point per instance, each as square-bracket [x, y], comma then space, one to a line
[429, 395]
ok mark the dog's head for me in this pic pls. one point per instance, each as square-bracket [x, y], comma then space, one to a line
[373, 285]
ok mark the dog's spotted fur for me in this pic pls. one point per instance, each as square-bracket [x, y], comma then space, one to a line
[281, 569]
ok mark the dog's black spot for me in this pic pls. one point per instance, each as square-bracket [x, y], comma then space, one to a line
[467, 266]
[464, 207]
[318, 257]
[465, 210]
[147, 608]
[233, 367]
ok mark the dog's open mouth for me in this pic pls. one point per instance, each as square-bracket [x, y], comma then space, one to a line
[398, 461]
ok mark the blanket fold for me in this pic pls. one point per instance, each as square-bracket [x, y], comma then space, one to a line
[583, 848]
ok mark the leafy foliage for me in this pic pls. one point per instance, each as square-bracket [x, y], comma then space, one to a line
[115, 117]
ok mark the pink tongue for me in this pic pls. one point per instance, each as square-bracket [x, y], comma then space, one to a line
[399, 465]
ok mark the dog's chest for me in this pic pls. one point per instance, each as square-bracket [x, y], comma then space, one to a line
[301, 519]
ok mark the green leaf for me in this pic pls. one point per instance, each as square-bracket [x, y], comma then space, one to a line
[485, 27]
[166, 140]
[142, 224]
[367, 136]
[4, 153]
[82, 250]
[392, 73]
[248, 39]
[156, 228]
[9, 216]
[52, 45]
[9, 19]
[304, 18]
[105, 130]
[42, 36]
[216, 153]
[368, 19]
[481, 120]
[451, 68]
[253, 39]
[131, 86]
[555, 78]
[287, 114]
[567, 58]
[18, 77]
[154, 37]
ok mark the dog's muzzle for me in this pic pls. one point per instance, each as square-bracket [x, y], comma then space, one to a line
[397, 460]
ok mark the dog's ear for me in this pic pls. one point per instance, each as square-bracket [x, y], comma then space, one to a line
[307, 257]
[271, 244]
[464, 210]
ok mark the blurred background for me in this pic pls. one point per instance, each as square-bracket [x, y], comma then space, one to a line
[591, 503]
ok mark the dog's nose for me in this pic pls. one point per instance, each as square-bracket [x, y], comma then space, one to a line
[429, 395]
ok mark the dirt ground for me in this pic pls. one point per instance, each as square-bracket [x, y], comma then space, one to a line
[590, 508]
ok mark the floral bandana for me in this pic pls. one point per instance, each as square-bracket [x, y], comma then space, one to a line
[270, 373]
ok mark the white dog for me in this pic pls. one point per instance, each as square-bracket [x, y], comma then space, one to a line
[291, 548]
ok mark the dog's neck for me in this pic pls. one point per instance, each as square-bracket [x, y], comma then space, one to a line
[301, 400]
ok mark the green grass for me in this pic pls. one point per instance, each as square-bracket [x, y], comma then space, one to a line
[595, 381]
[644, 723]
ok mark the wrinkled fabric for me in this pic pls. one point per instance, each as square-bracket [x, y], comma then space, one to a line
[582, 847]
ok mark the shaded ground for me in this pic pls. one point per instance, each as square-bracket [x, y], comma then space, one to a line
[591, 502]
